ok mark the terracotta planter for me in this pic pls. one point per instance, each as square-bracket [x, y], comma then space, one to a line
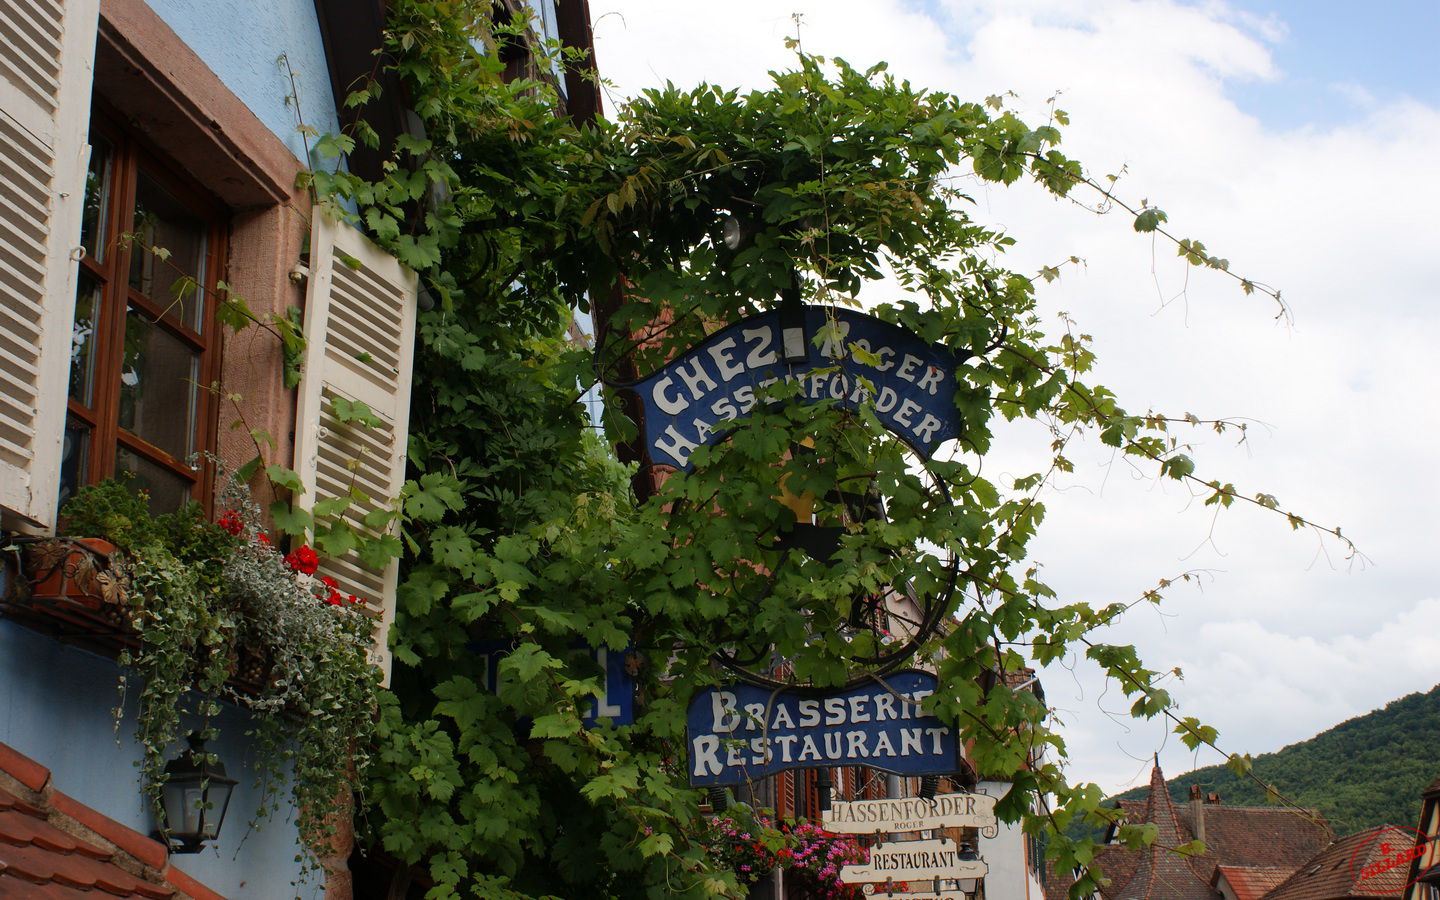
[74, 570]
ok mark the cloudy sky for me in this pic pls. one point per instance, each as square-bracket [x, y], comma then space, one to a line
[1295, 139]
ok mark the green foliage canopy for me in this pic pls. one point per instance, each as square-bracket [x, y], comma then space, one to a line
[519, 525]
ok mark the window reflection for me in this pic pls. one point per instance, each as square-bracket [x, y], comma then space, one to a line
[159, 380]
[168, 491]
[74, 453]
[138, 346]
[82, 340]
[97, 200]
[167, 255]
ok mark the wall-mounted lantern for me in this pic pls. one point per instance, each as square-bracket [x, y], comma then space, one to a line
[194, 798]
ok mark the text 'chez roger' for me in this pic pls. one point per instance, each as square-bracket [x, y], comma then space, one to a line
[909, 383]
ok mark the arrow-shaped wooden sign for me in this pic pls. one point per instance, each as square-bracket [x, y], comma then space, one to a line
[914, 860]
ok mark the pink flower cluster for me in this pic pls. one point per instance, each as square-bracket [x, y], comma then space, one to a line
[753, 846]
[818, 858]
[749, 849]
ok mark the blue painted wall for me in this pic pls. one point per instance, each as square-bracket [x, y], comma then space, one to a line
[55, 707]
[241, 40]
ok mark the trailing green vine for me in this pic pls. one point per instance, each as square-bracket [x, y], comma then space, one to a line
[523, 543]
[213, 606]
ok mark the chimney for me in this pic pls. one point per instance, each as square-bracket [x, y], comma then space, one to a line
[1197, 812]
[1212, 799]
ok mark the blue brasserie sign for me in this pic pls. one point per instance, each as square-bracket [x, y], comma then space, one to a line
[909, 382]
[743, 732]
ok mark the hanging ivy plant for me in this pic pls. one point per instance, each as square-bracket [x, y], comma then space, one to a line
[213, 605]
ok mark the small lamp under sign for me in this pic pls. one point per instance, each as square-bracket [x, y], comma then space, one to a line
[968, 854]
[194, 798]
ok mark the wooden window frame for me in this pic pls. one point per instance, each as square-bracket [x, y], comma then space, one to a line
[130, 154]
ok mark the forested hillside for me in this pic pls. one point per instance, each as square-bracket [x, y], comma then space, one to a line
[1364, 772]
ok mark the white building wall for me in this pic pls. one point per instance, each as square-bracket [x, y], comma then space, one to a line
[1010, 876]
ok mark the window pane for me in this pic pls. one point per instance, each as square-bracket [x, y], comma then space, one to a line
[97, 200]
[74, 459]
[168, 491]
[159, 377]
[162, 222]
[82, 340]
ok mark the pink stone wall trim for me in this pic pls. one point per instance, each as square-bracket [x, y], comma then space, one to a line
[150, 75]
[265, 247]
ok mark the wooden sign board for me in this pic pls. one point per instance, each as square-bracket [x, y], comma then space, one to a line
[962, 810]
[914, 861]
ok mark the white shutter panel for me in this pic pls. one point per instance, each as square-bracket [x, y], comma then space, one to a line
[47, 54]
[360, 327]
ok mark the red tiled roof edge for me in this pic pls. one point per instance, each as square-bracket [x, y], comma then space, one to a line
[1160, 865]
[147, 850]
[185, 883]
[1250, 882]
[23, 769]
[150, 857]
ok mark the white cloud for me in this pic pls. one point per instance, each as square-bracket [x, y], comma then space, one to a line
[1276, 681]
[1353, 93]
[1283, 640]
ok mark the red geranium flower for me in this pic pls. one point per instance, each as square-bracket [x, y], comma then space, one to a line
[332, 594]
[262, 538]
[230, 523]
[302, 559]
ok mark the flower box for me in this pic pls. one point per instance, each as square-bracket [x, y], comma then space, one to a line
[74, 592]
[73, 570]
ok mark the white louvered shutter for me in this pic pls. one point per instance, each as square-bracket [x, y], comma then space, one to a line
[47, 61]
[360, 326]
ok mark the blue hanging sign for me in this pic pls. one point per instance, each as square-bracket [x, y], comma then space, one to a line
[909, 382]
[743, 732]
[617, 700]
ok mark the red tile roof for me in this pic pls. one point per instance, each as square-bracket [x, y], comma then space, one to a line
[1251, 882]
[1160, 872]
[1018, 676]
[1264, 842]
[1339, 872]
[34, 851]
[52, 846]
